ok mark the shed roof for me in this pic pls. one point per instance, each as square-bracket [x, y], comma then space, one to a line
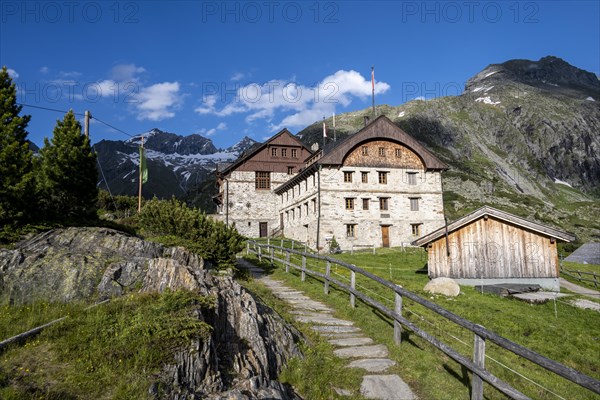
[500, 215]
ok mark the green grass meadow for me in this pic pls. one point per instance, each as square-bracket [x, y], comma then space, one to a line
[556, 330]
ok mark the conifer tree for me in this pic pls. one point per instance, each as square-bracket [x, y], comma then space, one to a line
[16, 176]
[67, 173]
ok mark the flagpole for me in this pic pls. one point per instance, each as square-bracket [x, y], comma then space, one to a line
[373, 88]
[334, 137]
[324, 134]
[141, 172]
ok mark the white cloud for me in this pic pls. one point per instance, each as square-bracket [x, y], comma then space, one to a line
[238, 76]
[69, 74]
[12, 73]
[222, 126]
[44, 70]
[158, 102]
[304, 104]
[126, 72]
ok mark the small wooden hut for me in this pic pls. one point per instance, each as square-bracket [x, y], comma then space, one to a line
[490, 246]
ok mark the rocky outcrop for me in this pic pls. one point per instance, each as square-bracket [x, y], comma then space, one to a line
[249, 343]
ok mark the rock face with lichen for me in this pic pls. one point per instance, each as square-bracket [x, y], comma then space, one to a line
[249, 343]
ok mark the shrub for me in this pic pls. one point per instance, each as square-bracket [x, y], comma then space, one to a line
[178, 224]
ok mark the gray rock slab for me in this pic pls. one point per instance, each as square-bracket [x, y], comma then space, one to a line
[375, 351]
[323, 320]
[581, 303]
[310, 313]
[293, 298]
[335, 329]
[343, 392]
[309, 305]
[372, 364]
[352, 341]
[539, 297]
[388, 387]
[341, 335]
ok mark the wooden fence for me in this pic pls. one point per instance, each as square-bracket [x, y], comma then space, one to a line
[481, 334]
[577, 275]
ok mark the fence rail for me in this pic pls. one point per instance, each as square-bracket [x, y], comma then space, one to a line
[572, 272]
[481, 334]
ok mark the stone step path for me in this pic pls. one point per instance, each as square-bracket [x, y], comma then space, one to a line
[348, 339]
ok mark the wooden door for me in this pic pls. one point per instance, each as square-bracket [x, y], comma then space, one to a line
[385, 236]
[262, 227]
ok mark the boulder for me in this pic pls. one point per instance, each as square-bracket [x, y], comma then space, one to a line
[444, 286]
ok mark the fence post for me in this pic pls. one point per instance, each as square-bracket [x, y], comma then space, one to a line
[268, 241]
[397, 325]
[272, 255]
[247, 248]
[292, 245]
[353, 286]
[303, 268]
[287, 261]
[327, 273]
[281, 245]
[373, 249]
[259, 254]
[479, 360]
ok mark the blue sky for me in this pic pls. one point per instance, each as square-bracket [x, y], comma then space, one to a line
[230, 69]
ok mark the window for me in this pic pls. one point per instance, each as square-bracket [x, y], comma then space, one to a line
[365, 204]
[294, 153]
[414, 204]
[299, 212]
[290, 170]
[349, 201]
[314, 203]
[283, 152]
[415, 229]
[273, 152]
[314, 179]
[287, 215]
[293, 213]
[382, 177]
[262, 180]
[412, 178]
[364, 176]
[365, 151]
[306, 208]
[398, 153]
[348, 176]
[351, 230]
[383, 203]
[382, 152]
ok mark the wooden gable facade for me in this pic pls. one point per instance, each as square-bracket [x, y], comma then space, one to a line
[493, 246]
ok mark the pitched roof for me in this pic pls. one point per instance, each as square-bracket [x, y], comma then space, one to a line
[381, 127]
[544, 230]
[255, 148]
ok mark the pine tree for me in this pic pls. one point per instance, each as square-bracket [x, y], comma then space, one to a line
[16, 176]
[67, 173]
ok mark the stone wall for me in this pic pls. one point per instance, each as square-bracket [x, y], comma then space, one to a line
[302, 225]
[247, 206]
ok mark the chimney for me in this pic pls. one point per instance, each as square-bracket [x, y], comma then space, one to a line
[366, 117]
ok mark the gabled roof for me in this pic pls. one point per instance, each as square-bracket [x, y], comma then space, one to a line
[381, 127]
[497, 214]
[254, 149]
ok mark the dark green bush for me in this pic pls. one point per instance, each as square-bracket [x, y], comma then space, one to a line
[177, 224]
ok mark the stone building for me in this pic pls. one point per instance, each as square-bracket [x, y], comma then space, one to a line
[246, 186]
[378, 187]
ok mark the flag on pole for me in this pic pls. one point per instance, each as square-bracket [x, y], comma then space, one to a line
[143, 166]
[324, 129]
[373, 78]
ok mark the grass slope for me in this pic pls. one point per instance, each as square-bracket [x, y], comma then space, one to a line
[556, 330]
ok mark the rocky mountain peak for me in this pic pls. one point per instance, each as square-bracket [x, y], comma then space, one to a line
[549, 73]
[242, 145]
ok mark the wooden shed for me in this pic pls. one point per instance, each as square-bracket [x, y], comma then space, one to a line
[490, 246]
